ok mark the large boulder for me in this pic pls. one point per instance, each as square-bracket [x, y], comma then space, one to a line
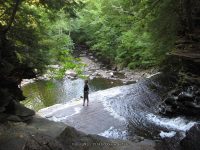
[184, 102]
[71, 74]
[42, 134]
[184, 96]
[191, 140]
[20, 136]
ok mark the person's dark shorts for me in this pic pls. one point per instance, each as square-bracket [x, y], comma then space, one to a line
[85, 96]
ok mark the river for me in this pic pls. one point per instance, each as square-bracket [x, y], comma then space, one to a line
[117, 111]
[134, 107]
[45, 93]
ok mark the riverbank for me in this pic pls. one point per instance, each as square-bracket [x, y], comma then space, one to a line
[95, 69]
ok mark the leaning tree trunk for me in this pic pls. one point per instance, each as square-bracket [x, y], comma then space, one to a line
[4, 30]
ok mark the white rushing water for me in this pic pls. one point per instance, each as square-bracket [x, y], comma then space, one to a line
[114, 133]
[177, 124]
[167, 134]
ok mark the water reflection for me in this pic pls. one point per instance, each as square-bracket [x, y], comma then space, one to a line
[41, 94]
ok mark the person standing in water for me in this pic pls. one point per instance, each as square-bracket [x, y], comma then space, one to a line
[85, 93]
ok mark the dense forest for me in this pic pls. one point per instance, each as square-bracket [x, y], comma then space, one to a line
[127, 33]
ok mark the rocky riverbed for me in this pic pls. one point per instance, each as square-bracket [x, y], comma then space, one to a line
[95, 69]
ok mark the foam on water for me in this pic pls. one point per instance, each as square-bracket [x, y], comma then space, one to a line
[114, 133]
[179, 123]
[113, 113]
[167, 134]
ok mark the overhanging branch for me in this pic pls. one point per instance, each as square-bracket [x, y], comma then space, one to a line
[10, 22]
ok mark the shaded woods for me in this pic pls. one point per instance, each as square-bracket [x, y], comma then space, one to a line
[133, 34]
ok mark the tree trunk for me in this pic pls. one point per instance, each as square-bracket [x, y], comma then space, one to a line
[7, 28]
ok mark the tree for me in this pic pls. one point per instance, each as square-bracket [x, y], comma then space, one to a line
[29, 40]
[134, 33]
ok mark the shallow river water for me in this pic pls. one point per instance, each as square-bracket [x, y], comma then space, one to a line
[41, 93]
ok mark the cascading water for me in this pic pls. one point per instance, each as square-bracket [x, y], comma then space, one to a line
[136, 105]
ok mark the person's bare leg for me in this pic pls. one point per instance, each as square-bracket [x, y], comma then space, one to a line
[83, 102]
[87, 101]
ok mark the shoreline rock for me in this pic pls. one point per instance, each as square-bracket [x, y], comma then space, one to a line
[182, 102]
[42, 134]
[191, 140]
[95, 69]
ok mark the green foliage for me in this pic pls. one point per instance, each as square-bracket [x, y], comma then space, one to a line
[40, 31]
[132, 33]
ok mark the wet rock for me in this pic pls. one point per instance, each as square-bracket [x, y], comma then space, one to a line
[175, 92]
[14, 118]
[171, 141]
[192, 89]
[185, 102]
[197, 100]
[114, 68]
[197, 93]
[2, 109]
[191, 141]
[42, 142]
[54, 66]
[125, 82]
[82, 55]
[5, 97]
[71, 73]
[183, 96]
[76, 140]
[170, 101]
[27, 81]
[111, 74]
[3, 117]
[191, 105]
[179, 105]
[22, 111]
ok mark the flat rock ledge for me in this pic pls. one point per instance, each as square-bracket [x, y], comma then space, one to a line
[42, 134]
